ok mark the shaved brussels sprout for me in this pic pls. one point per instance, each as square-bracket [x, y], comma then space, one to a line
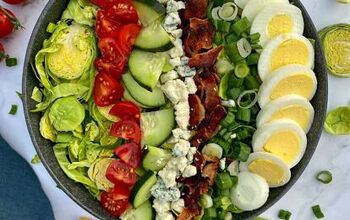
[81, 11]
[338, 121]
[46, 128]
[335, 41]
[97, 172]
[344, 1]
[91, 131]
[66, 114]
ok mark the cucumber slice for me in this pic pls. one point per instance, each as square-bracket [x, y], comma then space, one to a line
[149, 11]
[167, 67]
[154, 38]
[155, 98]
[141, 192]
[104, 111]
[127, 96]
[146, 67]
[156, 126]
[144, 212]
[156, 158]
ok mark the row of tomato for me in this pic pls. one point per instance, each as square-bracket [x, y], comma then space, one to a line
[117, 26]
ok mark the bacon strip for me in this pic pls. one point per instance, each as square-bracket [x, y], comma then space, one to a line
[195, 9]
[206, 59]
[197, 111]
[211, 91]
[200, 36]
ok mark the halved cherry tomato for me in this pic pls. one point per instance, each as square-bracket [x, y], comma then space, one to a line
[122, 11]
[126, 110]
[126, 129]
[2, 52]
[103, 3]
[110, 49]
[14, 2]
[8, 22]
[114, 68]
[120, 173]
[106, 90]
[116, 201]
[129, 153]
[105, 27]
[127, 36]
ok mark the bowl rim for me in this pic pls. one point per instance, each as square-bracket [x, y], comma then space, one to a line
[286, 188]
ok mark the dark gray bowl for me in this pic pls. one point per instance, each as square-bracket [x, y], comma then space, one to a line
[77, 192]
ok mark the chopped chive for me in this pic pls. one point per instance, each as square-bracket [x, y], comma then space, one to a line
[13, 110]
[11, 61]
[284, 214]
[20, 96]
[324, 177]
[35, 159]
[317, 211]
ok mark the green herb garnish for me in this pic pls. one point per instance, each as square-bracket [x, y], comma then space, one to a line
[13, 110]
[317, 211]
[324, 177]
[284, 214]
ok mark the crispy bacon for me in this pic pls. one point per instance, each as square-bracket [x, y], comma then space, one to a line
[212, 97]
[197, 111]
[210, 171]
[199, 37]
[206, 59]
[189, 213]
[195, 9]
[215, 118]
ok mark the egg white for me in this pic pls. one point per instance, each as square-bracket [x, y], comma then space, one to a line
[243, 166]
[264, 132]
[266, 88]
[251, 191]
[262, 19]
[253, 7]
[265, 57]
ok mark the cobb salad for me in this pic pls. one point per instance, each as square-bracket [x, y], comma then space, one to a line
[177, 110]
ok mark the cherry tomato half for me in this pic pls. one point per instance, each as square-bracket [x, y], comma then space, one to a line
[8, 22]
[127, 36]
[120, 173]
[129, 153]
[116, 201]
[114, 68]
[14, 2]
[104, 3]
[126, 110]
[106, 90]
[126, 129]
[123, 11]
[110, 49]
[105, 27]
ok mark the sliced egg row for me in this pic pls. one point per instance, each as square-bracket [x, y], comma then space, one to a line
[285, 67]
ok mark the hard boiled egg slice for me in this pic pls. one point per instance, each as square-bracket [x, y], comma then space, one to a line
[251, 191]
[291, 107]
[288, 80]
[284, 50]
[268, 166]
[277, 19]
[253, 7]
[283, 138]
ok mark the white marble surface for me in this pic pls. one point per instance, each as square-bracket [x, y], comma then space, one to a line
[333, 153]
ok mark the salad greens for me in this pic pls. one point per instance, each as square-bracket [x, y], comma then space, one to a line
[338, 121]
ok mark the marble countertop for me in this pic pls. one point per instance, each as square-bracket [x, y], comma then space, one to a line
[333, 153]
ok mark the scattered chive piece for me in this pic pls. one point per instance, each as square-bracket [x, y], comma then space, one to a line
[317, 211]
[284, 214]
[13, 110]
[11, 61]
[19, 95]
[35, 159]
[324, 177]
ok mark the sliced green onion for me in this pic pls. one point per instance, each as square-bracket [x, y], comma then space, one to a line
[210, 212]
[206, 201]
[11, 61]
[214, 13]
[324, 177]
[223, 26]
[241, 152]
[243, 134]
[256, 46]
[231, 38]
[284, 214]
[241, 70]
[218, 38]
[244, 47]
[229, 119]
[234, 93]
[235, 82]
[233, 53]
[222, 131]
[240, 26]
[244, 114]
[51, 28]
[251, 82]
[317, 211]
[13, 110]
[243, 94]
[254, 38]
[228, 11]
[253, 58]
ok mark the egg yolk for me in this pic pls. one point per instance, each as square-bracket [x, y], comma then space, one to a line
[267, 169]
[289, 52]
[284, 144]
[279, 24]
[299, 84]
[297, 113]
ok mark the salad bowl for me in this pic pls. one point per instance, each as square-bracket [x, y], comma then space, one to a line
[78, 193]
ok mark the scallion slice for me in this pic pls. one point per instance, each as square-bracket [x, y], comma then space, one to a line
[244, 47]
[243, 94]
[284, 214]
[317, 211]
[324, 177]
[13, 110]
[11, 61]
[223, 181]
[215, 13]
[228, 11]
[241, 70]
